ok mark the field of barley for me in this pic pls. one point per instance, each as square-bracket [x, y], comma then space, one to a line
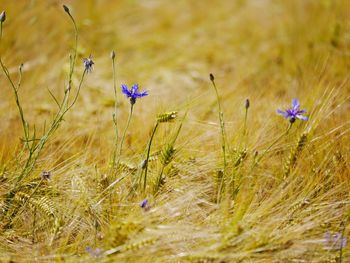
[174, 131]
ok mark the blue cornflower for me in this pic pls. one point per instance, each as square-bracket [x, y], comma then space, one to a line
[334, 241]
[94, 252]
[88, 64]
[293, 113]
[133, 93]
[145, 205]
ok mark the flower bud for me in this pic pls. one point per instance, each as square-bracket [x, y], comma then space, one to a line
[2, 17]
[211, 76]
[247, 103]
[66, 9]
[113, 55]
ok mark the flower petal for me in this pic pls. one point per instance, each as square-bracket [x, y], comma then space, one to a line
[144, 203]
[343, 242]
[301, 117]
[141, 94]
[295, 104]
[134, 88]
[283, 113]
[327, 236]
[125, 90]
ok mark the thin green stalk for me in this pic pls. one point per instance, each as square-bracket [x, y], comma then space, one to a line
[159, 180]
[78, 91]
[115, 92]
[0, 36]
[245, 134]
[75, 47]
[34, 225]
[223, 137]
[180, 127]
[124, 133]
[55, 124]
[245, 122]
[222, 125]
[167, 161]
[15, 90]
[148, 153]
[115, 114]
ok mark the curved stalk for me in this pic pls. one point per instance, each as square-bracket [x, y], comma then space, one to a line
[148, 153]
[124, 133]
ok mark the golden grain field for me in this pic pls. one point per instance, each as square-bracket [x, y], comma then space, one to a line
[202, 168]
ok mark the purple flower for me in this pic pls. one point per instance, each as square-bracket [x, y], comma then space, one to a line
[88, 64]
[94, 252]
[133, 93]
[145, 205]
[293, 113]
[334, 241]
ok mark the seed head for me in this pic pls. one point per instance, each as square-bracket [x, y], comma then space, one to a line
[167, 116]
[211, 76]
[66, 9]
[2, 17]
[247, 104]
[113, 55]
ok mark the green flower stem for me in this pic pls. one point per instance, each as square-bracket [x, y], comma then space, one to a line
[148, 153]
[124, 133]
[223, 139]
[245, 135]
[115, 114]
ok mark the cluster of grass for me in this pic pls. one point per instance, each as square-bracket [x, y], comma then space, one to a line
[202, 169]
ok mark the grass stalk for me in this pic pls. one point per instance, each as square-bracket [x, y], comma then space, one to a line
[148, 153]
[115, 114]
[124, 132]
[223, 137]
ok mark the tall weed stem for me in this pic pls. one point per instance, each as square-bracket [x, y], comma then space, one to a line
[223, 136]
[124, 133]
[115, 113]
[148, 153]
